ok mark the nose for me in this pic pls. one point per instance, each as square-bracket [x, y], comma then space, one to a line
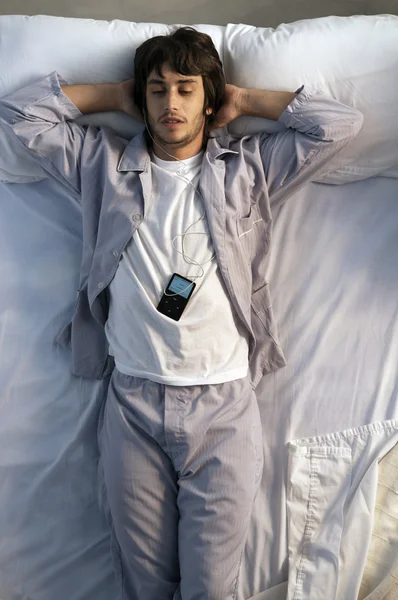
[170, 101]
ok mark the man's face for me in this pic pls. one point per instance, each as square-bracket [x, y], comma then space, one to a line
[179, 97]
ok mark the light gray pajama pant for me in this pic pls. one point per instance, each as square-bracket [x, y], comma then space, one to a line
[181, 467]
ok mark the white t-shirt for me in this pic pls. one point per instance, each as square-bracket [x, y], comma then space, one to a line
[207, 345]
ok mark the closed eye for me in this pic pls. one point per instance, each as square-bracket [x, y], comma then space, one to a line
[184, 93]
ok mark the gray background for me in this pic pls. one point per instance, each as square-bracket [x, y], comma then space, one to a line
[262, 13]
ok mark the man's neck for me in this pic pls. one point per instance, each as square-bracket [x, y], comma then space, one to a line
[152, 147]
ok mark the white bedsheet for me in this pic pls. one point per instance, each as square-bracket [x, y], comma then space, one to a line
[333, 281]
[335, 288]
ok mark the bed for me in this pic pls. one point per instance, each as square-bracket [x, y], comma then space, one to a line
[334, 284]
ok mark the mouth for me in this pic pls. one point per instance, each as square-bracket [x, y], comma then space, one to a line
[170, 124]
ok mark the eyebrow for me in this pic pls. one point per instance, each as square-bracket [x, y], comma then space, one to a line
[160, 81]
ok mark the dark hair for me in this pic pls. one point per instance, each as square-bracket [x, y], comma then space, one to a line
[188, 52]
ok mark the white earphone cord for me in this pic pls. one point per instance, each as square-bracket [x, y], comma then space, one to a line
[183, 234]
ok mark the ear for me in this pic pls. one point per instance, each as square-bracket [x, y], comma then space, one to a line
[209, 111]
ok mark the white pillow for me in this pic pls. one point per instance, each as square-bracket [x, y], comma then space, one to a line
[81, 51]
[353, 59]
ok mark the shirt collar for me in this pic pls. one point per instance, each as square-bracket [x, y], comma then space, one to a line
[136, 157]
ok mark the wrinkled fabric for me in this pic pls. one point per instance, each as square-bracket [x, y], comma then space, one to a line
[331, 498]
[180, 469]
[242, 180]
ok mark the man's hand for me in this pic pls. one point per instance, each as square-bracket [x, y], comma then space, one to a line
[251, 102]
[231, 107]
[126, 100]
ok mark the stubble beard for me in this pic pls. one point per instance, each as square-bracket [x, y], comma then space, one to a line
[184, 140]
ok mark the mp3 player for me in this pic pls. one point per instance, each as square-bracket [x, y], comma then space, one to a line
[173, 306]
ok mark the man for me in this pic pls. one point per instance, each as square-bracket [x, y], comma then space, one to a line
[180, 440]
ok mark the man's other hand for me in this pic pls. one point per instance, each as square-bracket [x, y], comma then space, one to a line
[230, 108]
[126, 102]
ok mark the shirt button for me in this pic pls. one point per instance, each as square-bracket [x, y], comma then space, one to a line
[115, 253]
[101, 284]
[136, 217]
